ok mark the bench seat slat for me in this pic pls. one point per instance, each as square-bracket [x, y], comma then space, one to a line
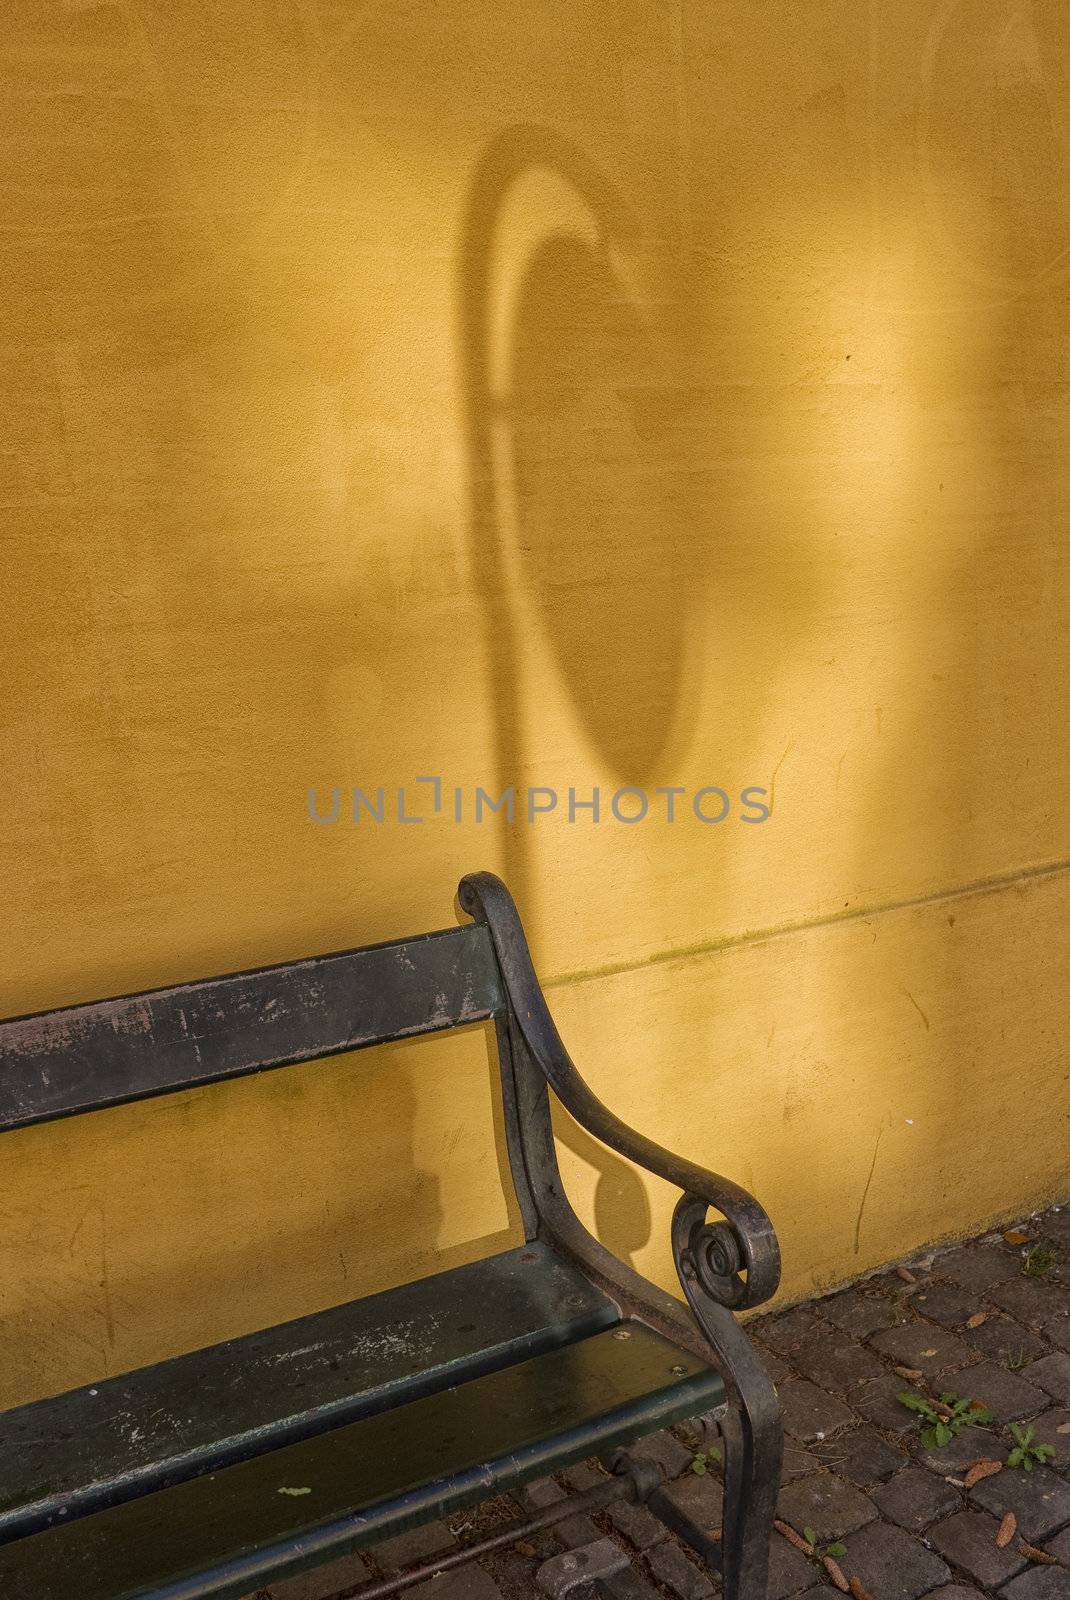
[128, 1435]
[60, 1063]
[227, 1534]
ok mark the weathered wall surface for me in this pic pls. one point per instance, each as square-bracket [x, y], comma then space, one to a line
[621, 394]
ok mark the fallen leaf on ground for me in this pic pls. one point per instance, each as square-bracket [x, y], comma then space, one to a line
[522, 1548]
[913, 1373]
[788, 1532]
[906, 1274]
[976, 1320]
[1034, 1554]
[1016, 1236]
[859, 1590]
[835, 1572]
[1006, 1532]
[931, 1352]
[1064, 1427]
[985, 1468]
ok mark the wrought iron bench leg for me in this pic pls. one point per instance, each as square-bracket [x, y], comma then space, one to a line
[751, 1429]
[751, 1480]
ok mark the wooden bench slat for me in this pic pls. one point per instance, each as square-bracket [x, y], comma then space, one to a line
[60, 1063]
[94, 1447]
[227, 1534]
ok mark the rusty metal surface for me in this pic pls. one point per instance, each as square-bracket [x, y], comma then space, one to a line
[61, 1063]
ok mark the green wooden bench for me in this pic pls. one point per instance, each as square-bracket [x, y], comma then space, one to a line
[176, 1481]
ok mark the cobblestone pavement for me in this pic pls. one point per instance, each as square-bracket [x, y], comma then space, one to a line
[988, 1321]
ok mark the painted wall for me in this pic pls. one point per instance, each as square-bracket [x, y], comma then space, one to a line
[628, 394]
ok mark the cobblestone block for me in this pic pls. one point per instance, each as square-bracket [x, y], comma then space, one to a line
[977, 1267]
[1052, 1373]
[810, 1413]
[666, 1450]
[916, 1344]
[1007, 1395]
[797, 1462]
[680, 1574]
[915, 1498]
[1001, 1337]
[967, 1446]
[1057, 1329]
[891, 1564]
[1039, 1499]
[701, 1499]
[1057, 1225]
[1059, 1547]
[877, 1402]
[834, 1363]
[783, 1333]
[826, 1503]
[862, 1456]
[1031, 1300]
[947, 1305]
[1039, 1583]
[575, 1531]
[539, 1494]
[858, 1314]
[968, 1541]
[638, 1525]
[583, 1476]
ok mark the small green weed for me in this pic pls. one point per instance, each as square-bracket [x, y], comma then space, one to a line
[945, 1418]
[703, 1460]
[1026, 1454]
[1018, 1358]
[1040, 1260]
[837, 1548]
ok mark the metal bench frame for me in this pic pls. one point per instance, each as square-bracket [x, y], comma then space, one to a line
[60, 1064]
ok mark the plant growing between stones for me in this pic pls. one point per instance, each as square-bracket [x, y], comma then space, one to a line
[836, 1548]
[1017, 1359]
[1040, 1260]
[703, 1460]
[940, 1420]
[1025, 1453]
[902, 1307]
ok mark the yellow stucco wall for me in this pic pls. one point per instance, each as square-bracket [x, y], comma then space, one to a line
[621, 394]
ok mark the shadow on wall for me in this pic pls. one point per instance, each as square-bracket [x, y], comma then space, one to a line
[604, 543]
[541, 472]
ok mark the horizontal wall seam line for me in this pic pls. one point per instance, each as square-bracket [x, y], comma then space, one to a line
[696, 952]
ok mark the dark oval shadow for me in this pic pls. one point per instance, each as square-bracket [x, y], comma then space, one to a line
[598, 533]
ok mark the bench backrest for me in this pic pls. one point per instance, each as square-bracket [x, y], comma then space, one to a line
[60, 1063]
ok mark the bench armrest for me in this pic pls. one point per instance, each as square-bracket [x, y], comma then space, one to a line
[709, 1256]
